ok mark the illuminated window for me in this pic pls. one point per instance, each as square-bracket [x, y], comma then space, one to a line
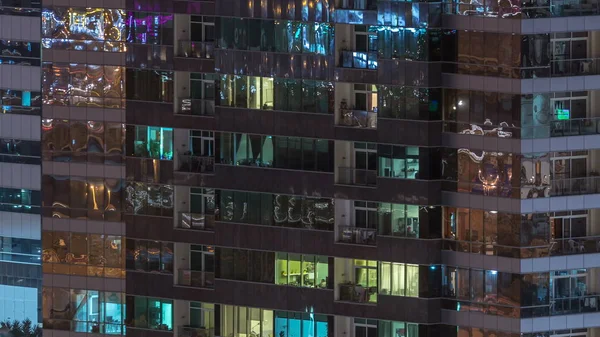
[150, 313]
[301, 270]
[397, 329]
[289, 324]
[398, 161]
[398, 279]
[81, 310]
[153, 142]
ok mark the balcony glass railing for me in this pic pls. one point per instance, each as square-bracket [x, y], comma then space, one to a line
[482, 129]
[195, 49]
[353, 176]
[554, 68]
[554, 306]
[358, 118]
[358, 59]
[575, 186]
[357, 293]
[195, 164]
[197, 107]
[196, 279]
[564, 306]
[577, 245]
[552, 247]
[357, 4]
[196, 221]
[186, 331]
[571, 305]
[560, 68]
[357, 235]
[528, 10]
[555, 128]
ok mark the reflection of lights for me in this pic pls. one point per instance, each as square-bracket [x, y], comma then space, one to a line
[47, 124]
[478, 130]
[494, 212]
[489, 183]
[460, 103]
[94, 190]
[493, 272]
[90, 24]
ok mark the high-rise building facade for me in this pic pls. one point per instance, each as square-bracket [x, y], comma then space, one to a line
[313, 168]
[20, 163]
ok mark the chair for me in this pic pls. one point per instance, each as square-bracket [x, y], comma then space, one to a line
[572, 247]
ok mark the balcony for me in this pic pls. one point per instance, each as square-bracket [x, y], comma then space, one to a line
[188, 162]
[358, 119]
[529, 10]
[196, 107]
[356, 293]
[195, 164]
[554, 68]
[196, 279]
[84, 326]
[575, 186]
[572, 305]
[196, 221]
[196, 49]
[555, 129]
[186, 331]
[587, 303]
[357, 235]
[560, 68]
[358, 60]
[353, 176]
[555, 247]
[577, 245]
[575, 127]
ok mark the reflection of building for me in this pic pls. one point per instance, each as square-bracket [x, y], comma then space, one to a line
[318, 168]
